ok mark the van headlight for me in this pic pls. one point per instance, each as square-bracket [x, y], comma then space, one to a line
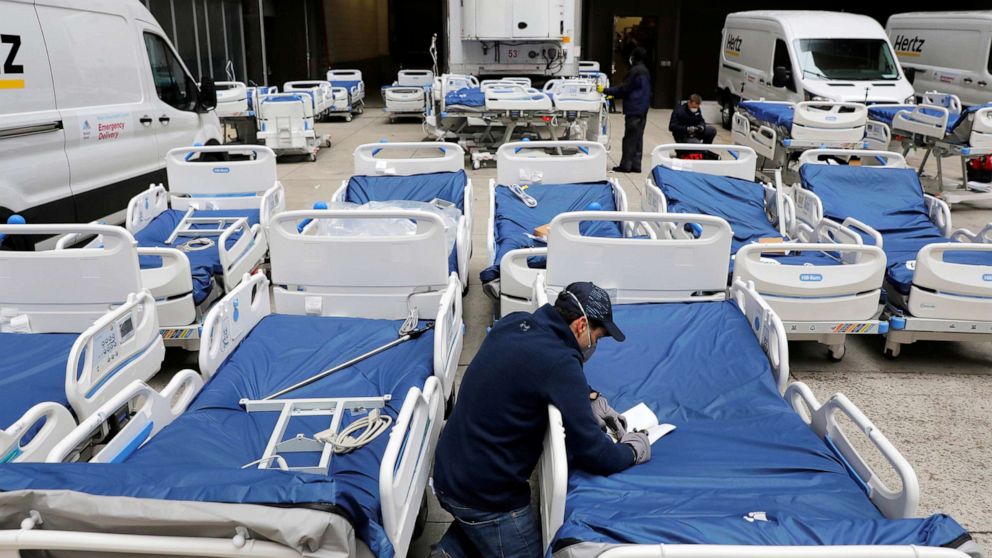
[811, 97]
[911, 100]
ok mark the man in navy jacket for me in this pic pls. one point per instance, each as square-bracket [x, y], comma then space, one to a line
[636, 94]
[493, 439]
[687, 124]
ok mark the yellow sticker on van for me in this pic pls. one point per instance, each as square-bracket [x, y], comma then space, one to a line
[11, 84]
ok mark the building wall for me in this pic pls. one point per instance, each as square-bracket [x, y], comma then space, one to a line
[358, 37]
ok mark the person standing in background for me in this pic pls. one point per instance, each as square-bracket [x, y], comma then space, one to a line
[636, 94]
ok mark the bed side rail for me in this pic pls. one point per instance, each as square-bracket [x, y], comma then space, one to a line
[878, 135]
[551, 162]
[933, 272]
[122, 346]
[751, 551]
[939, 213]
[189, 175]
[642, 269]
[553, 478]
[56, 423]
[66, 290]
[371, 276]
[374, 158]
[145, 207]
[137, 414]
[946, 100]
[983, 236]
[736, 161]
[448, 335]
[767, 327]
[230, 319]
[244, 255]
[273, 202]
[927, 120]
[868, 157]
[406, 464]
[822, 419]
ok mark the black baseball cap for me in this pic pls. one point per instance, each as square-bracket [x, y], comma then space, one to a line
[596, 303]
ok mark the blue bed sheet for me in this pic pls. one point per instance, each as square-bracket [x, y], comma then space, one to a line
[346, 83]
[738, 448]
[466, 97]
[778, 114]
[204, 264]
[885, 113]
[890, 201]
[740, 202]
[199, 456]
[33, 371]
[514, 220]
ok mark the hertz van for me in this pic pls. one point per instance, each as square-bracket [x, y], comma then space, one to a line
[92, 96]
[807, 56]
[949, 52]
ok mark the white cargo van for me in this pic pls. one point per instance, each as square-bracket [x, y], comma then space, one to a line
[805, 56]
[949, 52]
[92, 97]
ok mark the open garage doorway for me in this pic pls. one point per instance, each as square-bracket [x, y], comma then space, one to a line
[630, 32]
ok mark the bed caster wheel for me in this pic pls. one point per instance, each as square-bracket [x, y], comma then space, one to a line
[836, 353]
[891, 354]
[360, 109]
[313, 157]
[347, 118]
[476, 165]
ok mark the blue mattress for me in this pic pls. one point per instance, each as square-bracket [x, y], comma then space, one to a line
[466, 97]
[195, 458]
[890, 201]
[885, 113]
[448, 186]
[739, 202]
[346, 83]
[204, 264]
[33, 371]
[738, 448]
[778, 114]
[514, 220]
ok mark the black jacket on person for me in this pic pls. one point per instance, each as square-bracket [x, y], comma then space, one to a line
[635, 90]
[494, 437]
[681, 119]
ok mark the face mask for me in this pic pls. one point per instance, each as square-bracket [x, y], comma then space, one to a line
[631, 60]
[591, 347]
[695, 110]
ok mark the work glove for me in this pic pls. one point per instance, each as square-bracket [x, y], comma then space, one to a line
[599, 87]
[638, 441]
[692, 130]
[607, 418]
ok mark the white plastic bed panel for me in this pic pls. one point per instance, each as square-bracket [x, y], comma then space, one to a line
[121, 347]
[231, 319]
[919, 119]
[869, 157]
[366, 276]
[735, 161]
[232, 99]
[531, 162]
[515, 97]
[767, 328]
[67, 290]
[374, 158]
[449, 333]
[190, 176]
[416, 78]
[247, 252]
[640, 269]
[829, 121]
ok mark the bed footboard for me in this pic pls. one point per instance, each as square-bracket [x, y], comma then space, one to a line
[448, 336]
[406, 464]
[822, 419]
[231, 319]
[767, 327]
[121, 347]
[736, 161]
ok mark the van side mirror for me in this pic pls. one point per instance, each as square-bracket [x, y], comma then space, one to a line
[207, 99]
[781, 76]
[910, 74]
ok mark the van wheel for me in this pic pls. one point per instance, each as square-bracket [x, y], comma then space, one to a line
[727, 112]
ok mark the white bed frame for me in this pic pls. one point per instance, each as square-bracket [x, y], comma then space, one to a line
[531, 163]
[232, 99]
[207, 185]
[814, 124]
[578, 100]
[289, 127]
[508, 96]
[816, 302]
[409, 94]
[318, 90]
[629, 282]
[372, 159]
[947, 301]
[353, 99]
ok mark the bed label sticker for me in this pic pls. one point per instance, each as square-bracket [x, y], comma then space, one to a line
[222, 170]
[987, 277]
[810, 277]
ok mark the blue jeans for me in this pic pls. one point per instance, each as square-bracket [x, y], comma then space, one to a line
[512, 534]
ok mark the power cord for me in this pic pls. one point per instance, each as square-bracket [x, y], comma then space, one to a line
[374, 425]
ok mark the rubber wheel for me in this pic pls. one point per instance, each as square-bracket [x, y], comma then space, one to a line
[727, 114]
[889, 354]
[313, 157]
[347, 118]
[837, 357]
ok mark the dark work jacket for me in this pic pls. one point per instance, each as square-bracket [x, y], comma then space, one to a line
[494, 437]
[635, 90]
[681, 119]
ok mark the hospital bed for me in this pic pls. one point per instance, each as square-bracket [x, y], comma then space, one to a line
[578, 102]
[287, 124]
[386, 172]
[232, 99]
[942, 127]
[223, 484]
[76, 331]
[777, 130]
[824, 284]
[347, 92]
[938, 280]
[198, 239]
[409, 95]
[561, 177]
[748, 472]
[319, 91]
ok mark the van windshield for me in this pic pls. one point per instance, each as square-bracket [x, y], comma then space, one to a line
[853, 59]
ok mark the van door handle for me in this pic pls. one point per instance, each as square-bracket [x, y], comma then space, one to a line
[146, 120]
[164, 120]
[982, 83]
[967, 80]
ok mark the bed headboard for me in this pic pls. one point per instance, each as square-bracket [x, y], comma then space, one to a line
[550, 162]
[364, 276]
[646, 269]
[67, 290]
[191, 177]
[868, 157]
[374, 158]
[415, 78]
[734, 161]
[344, 75]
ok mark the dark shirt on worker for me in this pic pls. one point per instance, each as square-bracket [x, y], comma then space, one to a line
[494, 437]
[635, 90]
